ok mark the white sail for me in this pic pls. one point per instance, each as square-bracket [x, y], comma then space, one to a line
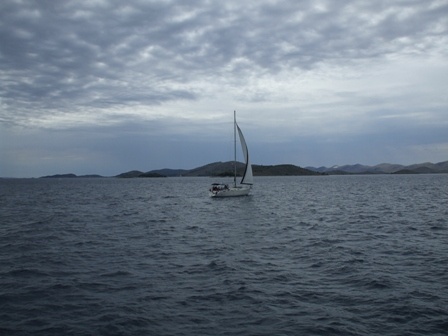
[248, 177]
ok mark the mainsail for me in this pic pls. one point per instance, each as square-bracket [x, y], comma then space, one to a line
[248, 177]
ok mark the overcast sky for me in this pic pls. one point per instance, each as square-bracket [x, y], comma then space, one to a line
[104, 87]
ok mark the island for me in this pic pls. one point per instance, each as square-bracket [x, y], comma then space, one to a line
[227, 169]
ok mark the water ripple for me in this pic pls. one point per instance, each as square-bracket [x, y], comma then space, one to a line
[353, 255]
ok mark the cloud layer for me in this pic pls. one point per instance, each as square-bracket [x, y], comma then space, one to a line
[331, 70]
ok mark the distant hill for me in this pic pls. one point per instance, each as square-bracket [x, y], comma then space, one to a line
[217, 169]
[227, 169]
[170, 172]
[282, 170]
[404, 171]
[60, 176]
[385, 168]
[137, 173]
[71, 176]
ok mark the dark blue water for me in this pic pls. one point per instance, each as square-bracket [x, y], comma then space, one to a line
[336, 255]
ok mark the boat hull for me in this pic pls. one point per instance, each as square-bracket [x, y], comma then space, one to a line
[230, 192]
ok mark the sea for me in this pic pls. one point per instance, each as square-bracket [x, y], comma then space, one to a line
[314, 255]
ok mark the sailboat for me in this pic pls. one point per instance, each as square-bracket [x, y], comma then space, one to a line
[224, 190]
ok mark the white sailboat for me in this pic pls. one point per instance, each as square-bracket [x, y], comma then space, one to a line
[224, 190]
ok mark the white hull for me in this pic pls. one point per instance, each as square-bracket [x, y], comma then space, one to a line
[231, 192]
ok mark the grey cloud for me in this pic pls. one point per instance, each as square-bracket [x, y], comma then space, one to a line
[59, 54]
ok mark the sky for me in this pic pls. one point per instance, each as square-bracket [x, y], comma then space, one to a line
[104, 87]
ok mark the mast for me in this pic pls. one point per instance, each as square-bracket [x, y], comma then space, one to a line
[234, 150]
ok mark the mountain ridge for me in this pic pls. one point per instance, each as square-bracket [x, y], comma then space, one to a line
[227, 169]
[385, 168]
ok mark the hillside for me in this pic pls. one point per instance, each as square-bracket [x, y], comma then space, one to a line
[224, 169]
[227, 169]
[71, 176]
[217, 169]
[281, 170]
[386, 168]
[137, 173]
